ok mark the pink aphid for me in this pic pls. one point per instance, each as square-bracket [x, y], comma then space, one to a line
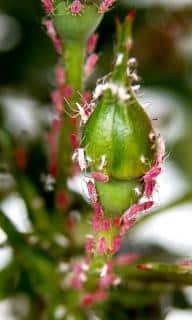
[76, 282]
[57, 100]
[89, 245]
[62, 200]
[67, 90]
[152, 173]
[116, 221]
[106, 224]
[126, 258]
[97, 217]
[149, 188]
[132, 212]
[105, 5]
[102, 246]
[99, 176]
[75, 7]
[107, 280]
[146, 205]
[90, 64]
[48, 6]
[57, 44]
[92, 192]
[129, 216]
[50, 28]
[53, 35]
[98, 209]
[116, 244]
[60, 75]
[92, 42]
[86, 98]
[185, 262]
[126, 225]
[91, 297]
[96, 223]
[74, 140]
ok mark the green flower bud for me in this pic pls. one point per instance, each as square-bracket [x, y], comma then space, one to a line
[71, 26]
[121, 150]
[120, 131]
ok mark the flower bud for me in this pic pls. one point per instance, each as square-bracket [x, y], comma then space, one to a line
[72, 24]
[120, 131]
[121, 150]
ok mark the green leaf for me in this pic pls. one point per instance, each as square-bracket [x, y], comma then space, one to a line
[162, 273]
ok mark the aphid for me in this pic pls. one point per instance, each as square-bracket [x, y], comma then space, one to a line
[135, 87]
[103, 162]
[92, 192]
[126, 225]
[133, 76]
[132, 62]
[53, 35]
[143, 159]
[135, 209]
[90, 64]
[92, 42]
[106, 224]
[57, 100]
[138, 191]
[129, 217]
[149, 188]
[82, 113]
[123, 94]
[152, 173]
[89, 244]
[100, 88]
[48, 6]
[99, 176]
[116, 244]
[119, 59]
[48, 181]
[102, 245]
[60, 75]
[152, 136]
[79, 155]
[75, 7]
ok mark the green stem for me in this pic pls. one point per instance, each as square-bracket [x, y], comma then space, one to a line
[162, 273]
[73, 56]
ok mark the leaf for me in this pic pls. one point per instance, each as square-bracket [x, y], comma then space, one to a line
[160, 273]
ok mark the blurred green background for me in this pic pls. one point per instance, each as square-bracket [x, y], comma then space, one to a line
[163, 47]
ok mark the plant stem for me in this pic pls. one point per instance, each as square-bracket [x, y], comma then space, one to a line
[74, 54]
